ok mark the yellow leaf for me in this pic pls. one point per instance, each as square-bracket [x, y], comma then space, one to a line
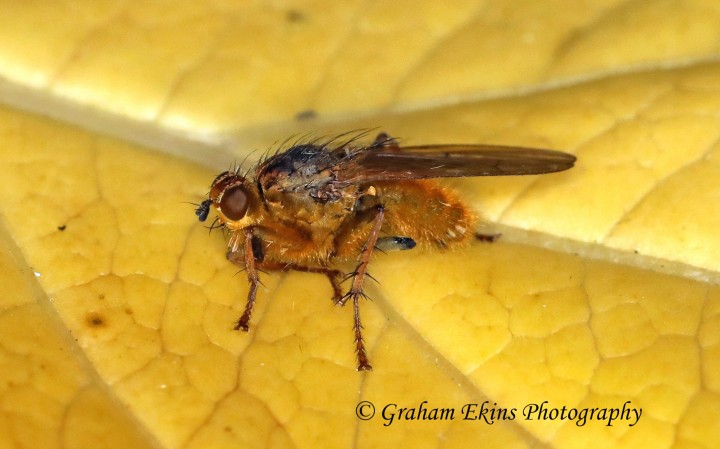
[593, 322]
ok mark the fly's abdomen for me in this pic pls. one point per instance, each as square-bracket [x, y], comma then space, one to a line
[445, 220]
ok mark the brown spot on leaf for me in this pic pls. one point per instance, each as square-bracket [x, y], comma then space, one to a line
[295, 16]
[95, 319]
[307, 114]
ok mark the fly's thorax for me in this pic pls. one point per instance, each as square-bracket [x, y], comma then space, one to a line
[302, 209]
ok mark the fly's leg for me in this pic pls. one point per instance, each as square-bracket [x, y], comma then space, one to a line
[252, 275]
[395, 244]
[356, 290]
[253, 262]
[252, 257]
[333, 276]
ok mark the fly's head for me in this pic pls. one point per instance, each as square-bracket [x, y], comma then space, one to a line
[235, 199]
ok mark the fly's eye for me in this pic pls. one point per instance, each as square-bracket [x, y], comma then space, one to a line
[234, 203]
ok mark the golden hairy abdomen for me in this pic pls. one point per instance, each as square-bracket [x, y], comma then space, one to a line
[426, 211]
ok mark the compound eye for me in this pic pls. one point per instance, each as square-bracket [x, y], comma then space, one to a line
[234, 203]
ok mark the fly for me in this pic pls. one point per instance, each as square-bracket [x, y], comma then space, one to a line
[318, 204]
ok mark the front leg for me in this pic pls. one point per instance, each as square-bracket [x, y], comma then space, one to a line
[248, 258]
[246, 249]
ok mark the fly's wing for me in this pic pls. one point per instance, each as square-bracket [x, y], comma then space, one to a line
[446, 161]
